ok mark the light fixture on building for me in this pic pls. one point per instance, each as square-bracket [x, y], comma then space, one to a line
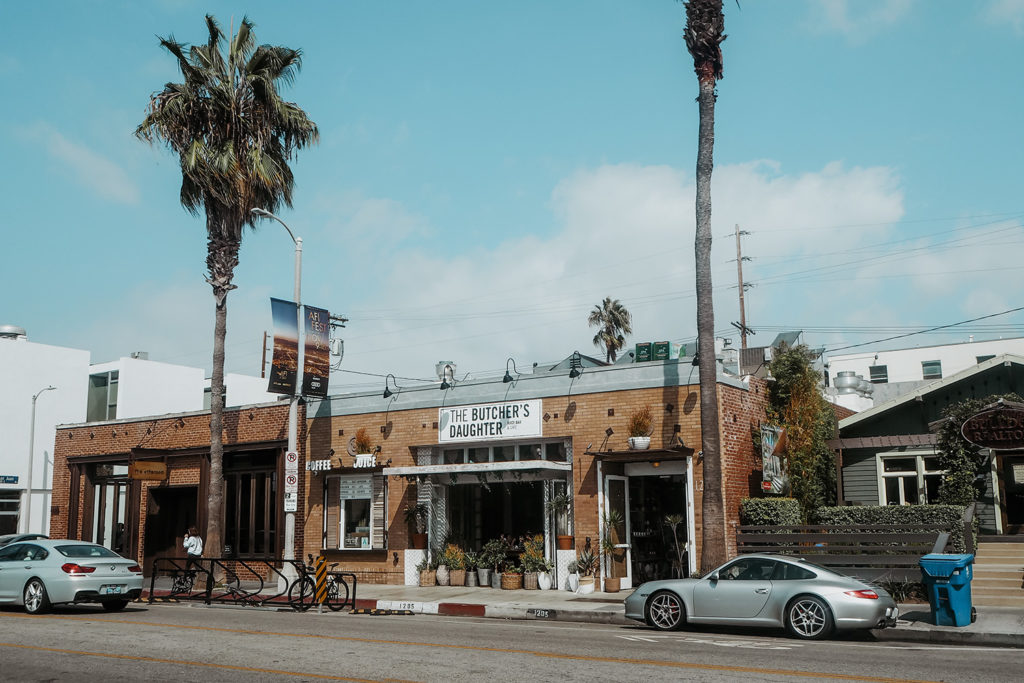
[575, 365]
[387, 391]
[508, 375]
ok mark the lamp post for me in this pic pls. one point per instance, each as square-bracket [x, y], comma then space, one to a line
[31, 449]
[293, 408]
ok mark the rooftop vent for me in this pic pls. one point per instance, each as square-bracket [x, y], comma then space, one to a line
[11, 332]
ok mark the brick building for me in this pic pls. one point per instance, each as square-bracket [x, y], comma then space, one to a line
[484, 456]
[97, 498]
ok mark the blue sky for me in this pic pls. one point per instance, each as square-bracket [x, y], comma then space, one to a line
[489, 172]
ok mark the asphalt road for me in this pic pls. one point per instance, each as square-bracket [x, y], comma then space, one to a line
[195, 643]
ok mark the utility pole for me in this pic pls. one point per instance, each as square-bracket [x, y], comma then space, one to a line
[742, 325]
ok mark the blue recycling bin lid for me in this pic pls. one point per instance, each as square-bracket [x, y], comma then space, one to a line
[944, 564]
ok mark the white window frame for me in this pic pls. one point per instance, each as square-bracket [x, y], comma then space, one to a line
[935, 365]
[919, 471]
[368, 478]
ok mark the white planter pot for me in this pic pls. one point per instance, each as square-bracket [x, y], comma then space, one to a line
[585, 588]
[639, 443]
[572, 582]
[544, 581]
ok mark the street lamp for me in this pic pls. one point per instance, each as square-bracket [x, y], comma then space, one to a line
[31, 449]
[293, 408]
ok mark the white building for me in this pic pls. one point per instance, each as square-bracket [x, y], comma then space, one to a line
[128, 387]
[887, 375]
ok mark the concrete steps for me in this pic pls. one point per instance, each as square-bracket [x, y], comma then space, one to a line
[998, 575]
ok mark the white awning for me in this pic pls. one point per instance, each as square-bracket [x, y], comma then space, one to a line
[480, 468]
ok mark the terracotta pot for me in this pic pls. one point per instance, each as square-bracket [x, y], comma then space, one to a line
[530, 581]
[457, 577]
[511, 581]
[419, 541]
[428, 578]
[565, 543]
[612, 584]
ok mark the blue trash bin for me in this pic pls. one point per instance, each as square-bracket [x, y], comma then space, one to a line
[947, 580]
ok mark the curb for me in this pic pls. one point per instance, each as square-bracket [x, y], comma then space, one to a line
[917, 635]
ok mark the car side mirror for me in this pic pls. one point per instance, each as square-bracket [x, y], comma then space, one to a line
[713, 576]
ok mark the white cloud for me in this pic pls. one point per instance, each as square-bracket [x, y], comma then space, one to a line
[858, 20]
[1006, 12]
[86, 166]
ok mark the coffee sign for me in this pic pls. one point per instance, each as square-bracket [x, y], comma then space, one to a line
[1001, 429]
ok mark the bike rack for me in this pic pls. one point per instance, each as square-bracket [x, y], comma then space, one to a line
[231, 591]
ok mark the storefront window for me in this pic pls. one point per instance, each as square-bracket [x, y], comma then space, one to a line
[250, 519]
[355, 512]
[909, 479]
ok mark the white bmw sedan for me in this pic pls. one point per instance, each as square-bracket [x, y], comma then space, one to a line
[45, 572]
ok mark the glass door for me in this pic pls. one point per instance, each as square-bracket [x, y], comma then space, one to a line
[616, 503]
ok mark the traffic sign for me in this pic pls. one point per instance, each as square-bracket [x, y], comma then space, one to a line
[291, 461]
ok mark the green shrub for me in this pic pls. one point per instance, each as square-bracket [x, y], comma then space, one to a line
[770, 511]
[949, 516]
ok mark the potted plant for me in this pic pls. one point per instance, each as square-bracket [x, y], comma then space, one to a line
[559, 506]
[361, 442]
[427, 575]
[443, 573]
[490, 556]
[472, 562]
[416, 517]
[612, 519]
[511, 577]
[533, 561]
[640, 426]
[573, 580]
[455, 558]
[587, 563]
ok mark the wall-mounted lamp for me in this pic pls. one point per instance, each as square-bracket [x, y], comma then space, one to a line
[575, 365]
[387, 391]
[447, 377]
[508, 375]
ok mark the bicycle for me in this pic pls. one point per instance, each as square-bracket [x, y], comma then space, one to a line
[302, 593]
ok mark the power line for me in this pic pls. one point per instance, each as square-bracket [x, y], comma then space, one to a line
[931, 329]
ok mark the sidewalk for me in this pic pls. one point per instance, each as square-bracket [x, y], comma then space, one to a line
[995, 626]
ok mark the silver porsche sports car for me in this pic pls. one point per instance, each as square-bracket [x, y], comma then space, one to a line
[764, 589]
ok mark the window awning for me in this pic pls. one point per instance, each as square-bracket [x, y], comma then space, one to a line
[648, 455]
[480, 468]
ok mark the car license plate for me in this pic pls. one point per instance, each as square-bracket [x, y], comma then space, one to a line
[110, 589]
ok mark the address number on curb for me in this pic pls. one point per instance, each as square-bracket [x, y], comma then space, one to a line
[541, 613]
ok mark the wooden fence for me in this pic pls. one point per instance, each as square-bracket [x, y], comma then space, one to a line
[872, 552]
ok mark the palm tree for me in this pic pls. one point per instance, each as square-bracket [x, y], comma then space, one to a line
[613, 322]
[234, 137]
[703, 35]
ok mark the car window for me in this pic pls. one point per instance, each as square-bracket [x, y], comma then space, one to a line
[791, 572]
[749, 569]
[31, 552]
[85, 551]
[8, 552]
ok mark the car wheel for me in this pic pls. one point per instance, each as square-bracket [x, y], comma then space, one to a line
[665, 611]
[35, 598]
[809, 618]
[114, 605]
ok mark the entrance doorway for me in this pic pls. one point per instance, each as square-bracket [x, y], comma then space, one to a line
[170, 512]
[658, 548]
[1012, 486]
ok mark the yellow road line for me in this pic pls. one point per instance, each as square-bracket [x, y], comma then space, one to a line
[498, 650]
[182, 662]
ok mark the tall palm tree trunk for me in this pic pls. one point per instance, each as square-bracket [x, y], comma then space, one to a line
[713, 543]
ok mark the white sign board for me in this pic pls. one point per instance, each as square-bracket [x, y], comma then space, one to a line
[291, 482]
[291, 461]
[490, 421]
[291, 501]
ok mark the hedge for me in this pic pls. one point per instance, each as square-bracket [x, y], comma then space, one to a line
[770, 511]
[949, 516]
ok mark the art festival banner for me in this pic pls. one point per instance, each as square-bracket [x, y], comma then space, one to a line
[316, 362]
[285, 361]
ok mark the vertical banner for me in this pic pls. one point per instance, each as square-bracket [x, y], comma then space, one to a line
[285, 362]
[773, 446]
[317, 358]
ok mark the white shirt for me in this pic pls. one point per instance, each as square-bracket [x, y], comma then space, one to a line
[193, 545]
